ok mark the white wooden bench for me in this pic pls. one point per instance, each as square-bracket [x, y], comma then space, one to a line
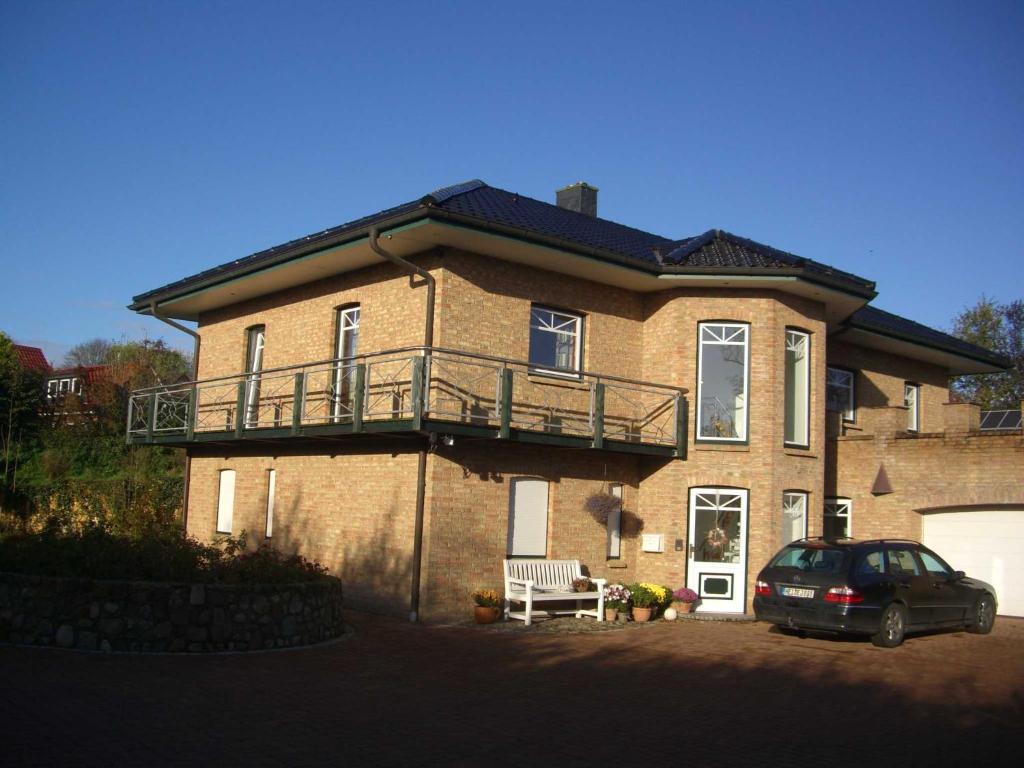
[529, 581]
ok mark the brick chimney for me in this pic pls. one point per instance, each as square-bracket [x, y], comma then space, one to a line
[579, 197]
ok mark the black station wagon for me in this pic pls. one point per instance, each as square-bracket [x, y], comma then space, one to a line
[883, 588]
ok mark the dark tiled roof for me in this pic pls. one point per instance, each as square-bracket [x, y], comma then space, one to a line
[31, 358]
[477, 203]
[888, 324]
[496, 206]
[716, 248]
[492, 207]
[251, 262]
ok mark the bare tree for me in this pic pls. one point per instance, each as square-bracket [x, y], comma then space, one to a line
[92, 352]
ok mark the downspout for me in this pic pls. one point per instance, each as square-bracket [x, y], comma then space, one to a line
[421, 464]
[195, 376]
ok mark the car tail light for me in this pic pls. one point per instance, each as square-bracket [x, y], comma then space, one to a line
[762, 588]
[843, 596]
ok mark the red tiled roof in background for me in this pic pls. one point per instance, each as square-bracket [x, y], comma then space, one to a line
[31, 358]
[89, 374]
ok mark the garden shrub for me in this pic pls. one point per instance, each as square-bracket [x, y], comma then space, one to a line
[161, 553]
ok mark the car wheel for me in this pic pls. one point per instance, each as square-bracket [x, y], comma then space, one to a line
[983, 617]
[892, 627]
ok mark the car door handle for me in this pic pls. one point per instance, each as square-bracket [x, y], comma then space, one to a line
[904, 584]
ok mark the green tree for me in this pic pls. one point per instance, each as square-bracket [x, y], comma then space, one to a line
[1000, 328]
[21, 408]
[82, 465]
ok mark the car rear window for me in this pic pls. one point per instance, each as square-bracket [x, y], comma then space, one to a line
[815, 559]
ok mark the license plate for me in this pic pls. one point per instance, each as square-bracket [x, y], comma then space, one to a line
[797, 592]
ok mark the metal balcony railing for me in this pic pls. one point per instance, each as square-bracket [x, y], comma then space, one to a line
[402, 389]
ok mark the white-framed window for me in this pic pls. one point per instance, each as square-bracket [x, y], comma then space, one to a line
[722, 381]
[347, 343]
[65, 386]
[912, 399]
[839, 394]
[614, 524]
[556, 341]
[271, 494]
[798, 388]
[76, 385]
[528, 517]
[346, 347]
[794, 516]
[838, 518]
[226, 501]
[52, 388]
[256, 338]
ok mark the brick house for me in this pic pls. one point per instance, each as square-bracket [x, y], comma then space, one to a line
[415, 395]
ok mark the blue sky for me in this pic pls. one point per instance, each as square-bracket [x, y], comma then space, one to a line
[144, 141]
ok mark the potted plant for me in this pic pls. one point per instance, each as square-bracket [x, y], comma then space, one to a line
[683, 600]
[488, 606]
[646, 597]
[616, 598]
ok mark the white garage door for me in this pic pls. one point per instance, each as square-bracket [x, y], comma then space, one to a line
[985, 544]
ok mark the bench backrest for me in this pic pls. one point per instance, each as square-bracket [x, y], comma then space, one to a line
[544, 573]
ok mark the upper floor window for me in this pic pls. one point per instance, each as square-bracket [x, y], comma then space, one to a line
[798, 388]
[255, 342]
[347, 343]
[839, 394]
[722, 381]
[912, 399]
[838, 518]
[61, 387]
[556, 341]
[346, 347]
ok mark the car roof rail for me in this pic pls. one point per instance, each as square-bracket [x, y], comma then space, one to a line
[830, 539]
[892, 541]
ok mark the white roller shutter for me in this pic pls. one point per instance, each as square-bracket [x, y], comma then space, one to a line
[528, 518]
[985, 544]
[226, 501]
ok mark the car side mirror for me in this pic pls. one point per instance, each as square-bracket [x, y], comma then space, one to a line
[957, 575]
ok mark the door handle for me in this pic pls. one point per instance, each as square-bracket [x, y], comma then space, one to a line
[905, 584]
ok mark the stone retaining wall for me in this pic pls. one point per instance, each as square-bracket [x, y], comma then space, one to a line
[147, 616]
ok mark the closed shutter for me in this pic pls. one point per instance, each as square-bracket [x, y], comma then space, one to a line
[615, 525]
[988, 544]
[226, 501]
[528, 518]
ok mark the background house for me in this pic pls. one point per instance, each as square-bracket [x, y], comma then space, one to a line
[733, 395]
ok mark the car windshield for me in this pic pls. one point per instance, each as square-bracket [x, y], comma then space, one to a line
[816, 559]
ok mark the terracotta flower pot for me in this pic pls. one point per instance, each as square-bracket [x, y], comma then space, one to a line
[682, 607]
[485, 614]
[610, 614]
[642, 614]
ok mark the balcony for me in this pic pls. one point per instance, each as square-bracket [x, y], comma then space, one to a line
[416, 390]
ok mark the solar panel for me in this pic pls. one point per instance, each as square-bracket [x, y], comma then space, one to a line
[991, 420]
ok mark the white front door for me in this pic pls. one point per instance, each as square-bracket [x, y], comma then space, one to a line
[716, 566]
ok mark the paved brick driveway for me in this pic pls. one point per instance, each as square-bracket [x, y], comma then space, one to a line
[693, 693]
